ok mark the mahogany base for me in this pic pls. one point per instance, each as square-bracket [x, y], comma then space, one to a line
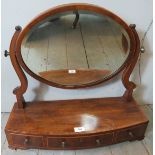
[50, 124]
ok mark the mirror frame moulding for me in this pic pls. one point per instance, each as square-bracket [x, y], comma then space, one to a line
[71, 7]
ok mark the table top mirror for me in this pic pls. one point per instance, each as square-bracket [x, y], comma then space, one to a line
[75, 46]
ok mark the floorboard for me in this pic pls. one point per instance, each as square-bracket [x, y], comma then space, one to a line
[134, 148]
[4, 119]
[37, 55]
[97, 59]
[57, 51]
[129, 148]
[7, 151]
[148, 141]
[64, 152]
[96, 151]
[46, 152]
[75, 48]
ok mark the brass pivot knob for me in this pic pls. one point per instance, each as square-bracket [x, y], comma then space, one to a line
[6, 53]
[142, 49]
[133, 26]
[18, 28]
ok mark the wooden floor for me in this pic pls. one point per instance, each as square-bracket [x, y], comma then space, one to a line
[143, 147]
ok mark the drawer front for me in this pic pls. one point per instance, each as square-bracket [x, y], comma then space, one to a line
[133, 133]
[80, 142]
[27, 141]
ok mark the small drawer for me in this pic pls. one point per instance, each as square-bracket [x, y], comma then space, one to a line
[27, 141]
[80, 142]
[63, 142]
[133, 133]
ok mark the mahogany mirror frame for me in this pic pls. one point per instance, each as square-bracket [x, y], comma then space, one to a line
[18, 63]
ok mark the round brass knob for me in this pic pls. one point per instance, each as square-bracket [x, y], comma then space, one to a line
[18, 28]
[131, 134]
[98, 142]
[142, 49]
[133, 26]
[63, 144]
[26, 140]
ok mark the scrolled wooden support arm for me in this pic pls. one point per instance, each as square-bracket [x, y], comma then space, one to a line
[20, 90]
[129, 85]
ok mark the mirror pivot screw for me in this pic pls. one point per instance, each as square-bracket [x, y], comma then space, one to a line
[133, 26]
[6, 53]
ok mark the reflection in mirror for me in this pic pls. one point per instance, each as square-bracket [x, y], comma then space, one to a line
[75, 48]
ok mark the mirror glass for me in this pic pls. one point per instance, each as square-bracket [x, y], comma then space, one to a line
[75, 47]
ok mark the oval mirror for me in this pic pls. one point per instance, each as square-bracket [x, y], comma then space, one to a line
[76, 47]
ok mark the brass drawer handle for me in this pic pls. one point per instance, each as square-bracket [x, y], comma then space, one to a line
[63, 144]
[131, 134]
[26, 141]
[98, 142]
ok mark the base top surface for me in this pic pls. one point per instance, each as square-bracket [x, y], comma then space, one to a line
[61, 117]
